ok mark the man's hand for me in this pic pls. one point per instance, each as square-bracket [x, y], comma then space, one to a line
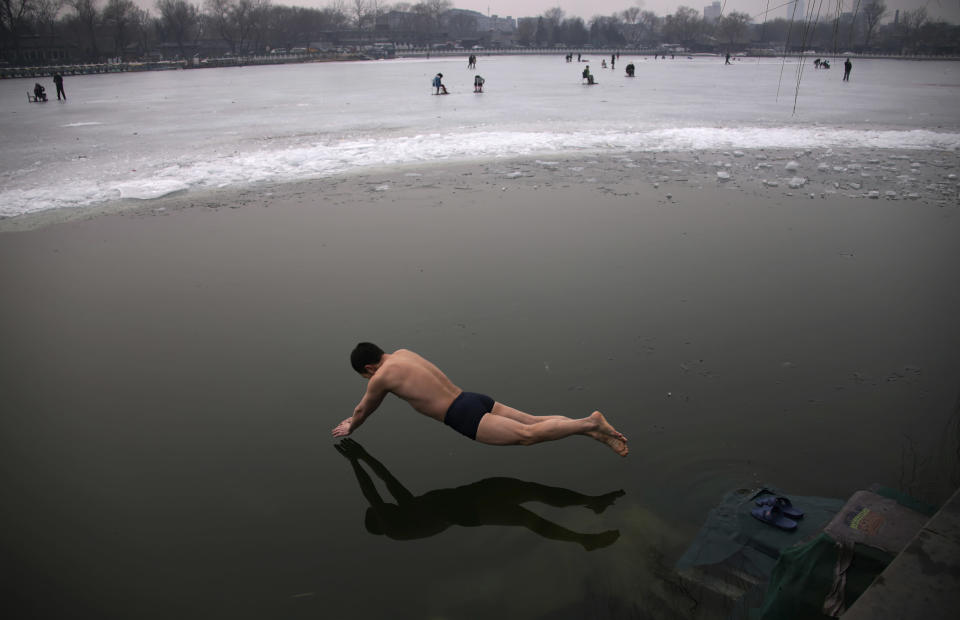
[343, 429]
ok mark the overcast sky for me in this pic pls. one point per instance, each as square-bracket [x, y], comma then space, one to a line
[945, 9]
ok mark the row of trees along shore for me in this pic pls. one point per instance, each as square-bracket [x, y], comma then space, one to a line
[38, 32]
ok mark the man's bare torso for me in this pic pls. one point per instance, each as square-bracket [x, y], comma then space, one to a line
[417, 381]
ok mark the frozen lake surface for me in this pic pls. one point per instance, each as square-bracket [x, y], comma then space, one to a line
[145, 135]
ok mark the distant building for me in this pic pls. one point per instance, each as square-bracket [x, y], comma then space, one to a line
[466, 20]
[530, 21]
[712, 13]
[497, 23]
[796, 10]
[394, 20]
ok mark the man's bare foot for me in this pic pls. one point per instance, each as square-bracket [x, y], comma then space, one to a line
[608, 435]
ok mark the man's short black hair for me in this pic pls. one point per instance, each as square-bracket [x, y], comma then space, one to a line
[363, 354]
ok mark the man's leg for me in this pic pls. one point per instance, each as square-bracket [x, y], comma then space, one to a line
[506, 426]
[521, 417]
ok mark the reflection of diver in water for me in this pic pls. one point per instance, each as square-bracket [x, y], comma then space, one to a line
[493, 501]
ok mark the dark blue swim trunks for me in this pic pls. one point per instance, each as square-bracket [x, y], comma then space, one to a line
[465, 412]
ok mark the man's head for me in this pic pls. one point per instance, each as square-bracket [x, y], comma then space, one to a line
[363, 355]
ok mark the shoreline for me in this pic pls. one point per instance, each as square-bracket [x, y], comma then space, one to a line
[32, 72]
[921, 176]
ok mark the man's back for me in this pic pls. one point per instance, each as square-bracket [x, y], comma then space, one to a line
[475, 415]
[419, 382]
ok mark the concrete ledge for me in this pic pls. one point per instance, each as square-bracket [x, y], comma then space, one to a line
[923, 581]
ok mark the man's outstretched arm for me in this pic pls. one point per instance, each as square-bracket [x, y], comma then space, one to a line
[376, 392]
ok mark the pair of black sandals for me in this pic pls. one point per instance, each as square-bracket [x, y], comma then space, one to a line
[778, 511]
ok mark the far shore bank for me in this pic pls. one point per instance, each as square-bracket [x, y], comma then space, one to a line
[285, 59]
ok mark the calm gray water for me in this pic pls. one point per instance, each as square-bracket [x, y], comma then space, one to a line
[170, 382]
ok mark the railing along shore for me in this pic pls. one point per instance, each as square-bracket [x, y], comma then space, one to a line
[166, 65]
[273, 59]
[601, 51]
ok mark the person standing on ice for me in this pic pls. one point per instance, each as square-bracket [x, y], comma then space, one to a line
[58, 81]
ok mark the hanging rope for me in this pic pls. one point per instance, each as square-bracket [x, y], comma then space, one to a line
[853, 22]
[810, 26]
[786, 45]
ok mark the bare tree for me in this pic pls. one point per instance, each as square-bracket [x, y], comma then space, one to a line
[683, 26]
[45, 13]
[873, 12]
[88, 18]
[220, 13]
[436, 8]
[258, 23]
[552, 18]
[13, 20]
[360, 11]
[336, 14]
[606, 30]
[911, 22]
[179, 19]
[526, 31]
[732, 27]
[554, 15]
[249, 21]
[573, 31]
[13, 12]
[461, 25]
[647, 26]
[118, 17]
[142, 22]
[338, 6]
[375, 8]
[422, 22]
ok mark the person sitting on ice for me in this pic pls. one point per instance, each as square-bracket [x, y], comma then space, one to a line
[587, 75]
[438, 84]
[39, 92]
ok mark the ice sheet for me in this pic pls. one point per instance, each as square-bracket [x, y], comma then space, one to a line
[145, 135]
